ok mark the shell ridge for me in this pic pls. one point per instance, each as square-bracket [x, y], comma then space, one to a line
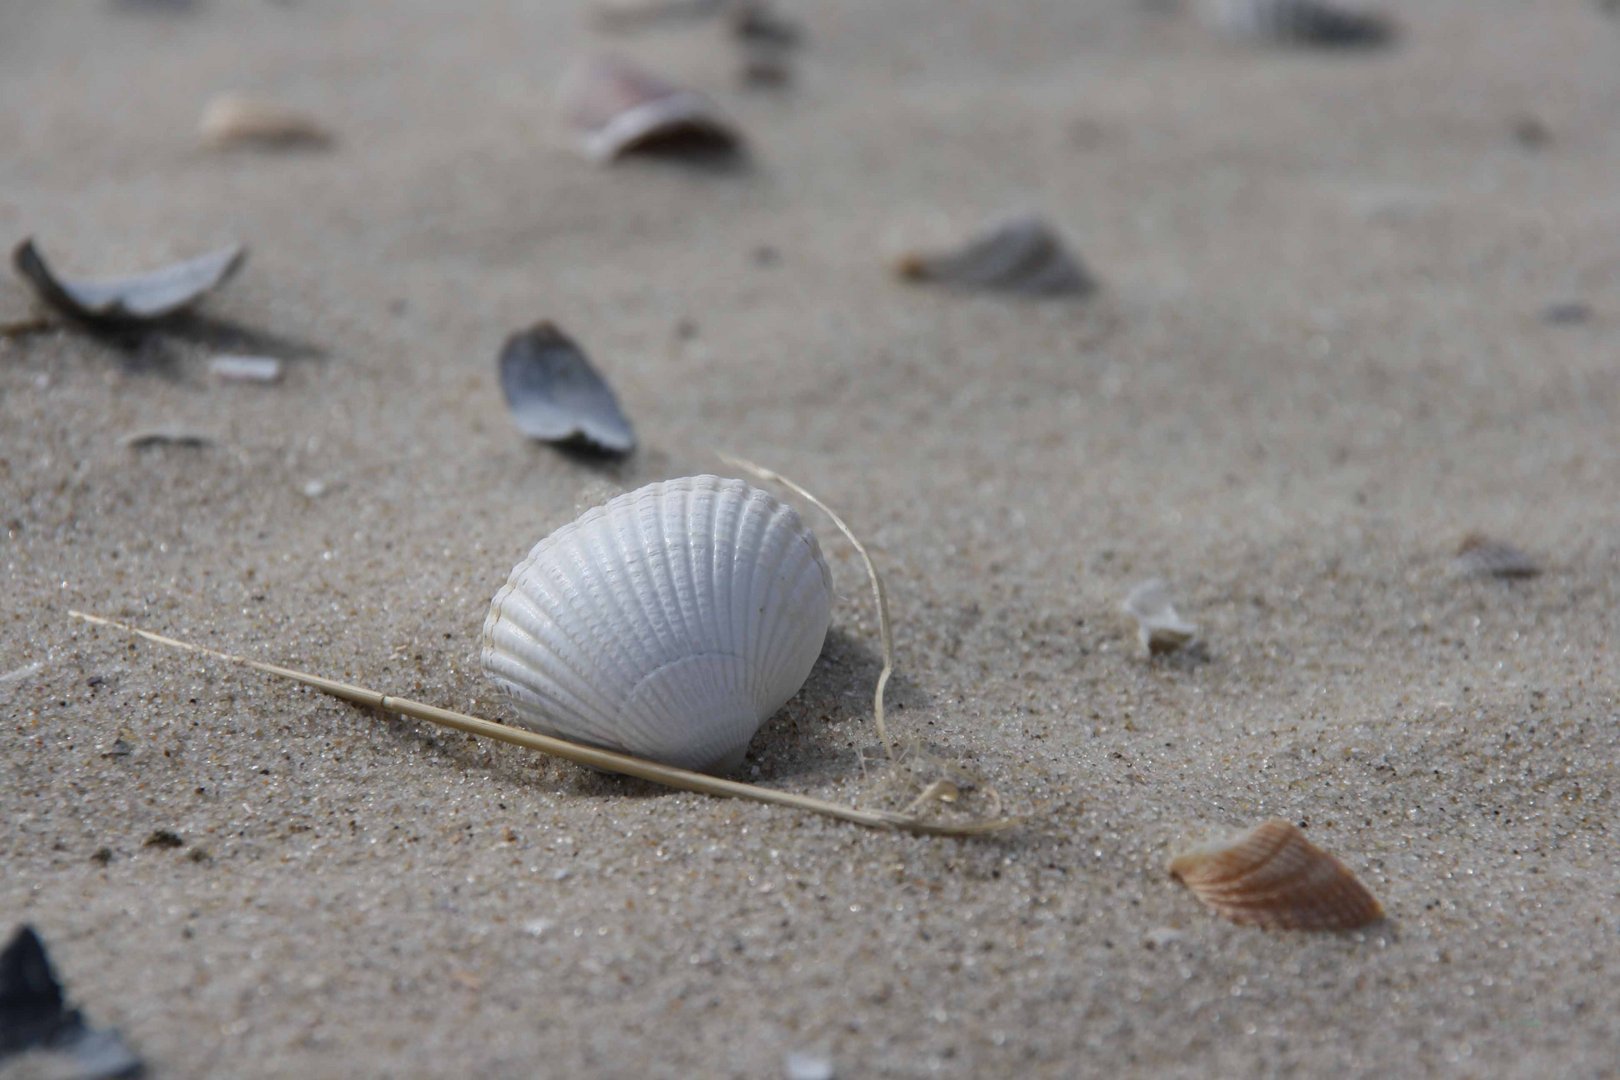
[777, 609]
[650, 715]
[762, 569]
[722, 562]
[722, 635]
[697, 603]
[780, 605]
[653, 536]
[548, 657]
[802, 595]
[638, 572]
[585, 595]
[742, 591]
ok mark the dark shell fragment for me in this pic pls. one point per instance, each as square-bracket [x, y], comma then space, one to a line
[138, 298]
[34, 1016]
[556, 396]
[1020, 254]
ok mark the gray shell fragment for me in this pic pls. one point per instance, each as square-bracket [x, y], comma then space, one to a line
[617, 108]
[1298, 22]
[556, 396]
[1020, 254]
[1481, 556]
[138, 298]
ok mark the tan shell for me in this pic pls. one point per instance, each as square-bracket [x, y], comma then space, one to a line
[234, 120]
[1271, 876]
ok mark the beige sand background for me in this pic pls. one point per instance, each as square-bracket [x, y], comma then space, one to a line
[1317, 364]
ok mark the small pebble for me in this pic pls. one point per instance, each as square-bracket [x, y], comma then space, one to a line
[798, 1065]
[249, 369]
[1566, 313]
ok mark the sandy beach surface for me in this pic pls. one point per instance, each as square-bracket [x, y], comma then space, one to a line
[1320, 357]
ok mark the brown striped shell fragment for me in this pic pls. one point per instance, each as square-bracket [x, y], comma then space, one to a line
[1018, 254]
[669, 623]
[1272, 877]
[616, 108]
[1317, 23]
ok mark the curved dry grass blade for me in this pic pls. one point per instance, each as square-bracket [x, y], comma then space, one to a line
[605, 760]
[138, 298]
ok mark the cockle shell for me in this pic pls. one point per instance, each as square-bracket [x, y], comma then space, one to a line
[1272, 877]
[669, 623]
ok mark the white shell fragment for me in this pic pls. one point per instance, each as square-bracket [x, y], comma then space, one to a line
[798, 1065]
[1159, 627]
[555, 395]
[146, 297]
[245, 369]
[232, 120]
[1481, 556]
[1019, 254]
[1298, 22]
[616, 108]
[669, 623]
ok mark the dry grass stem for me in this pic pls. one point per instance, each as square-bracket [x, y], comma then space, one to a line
[605, 760]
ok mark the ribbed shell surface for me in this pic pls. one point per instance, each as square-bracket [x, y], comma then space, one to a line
[669, 623]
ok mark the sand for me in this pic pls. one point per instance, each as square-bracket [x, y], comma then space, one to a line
[1317, 363]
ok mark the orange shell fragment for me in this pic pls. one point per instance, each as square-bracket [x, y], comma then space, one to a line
[1272, 877]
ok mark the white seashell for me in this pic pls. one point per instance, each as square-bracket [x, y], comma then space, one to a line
[1159, 627]
[669, 623]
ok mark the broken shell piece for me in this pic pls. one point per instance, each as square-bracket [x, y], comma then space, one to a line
[1272, 877]
[234, 120]
[146, 297]
[1020, 254]
[1480, 556]
[1298, 22]
[249, 369]
[1158, 626]
[757, 21]
[140, 440]
[555, 395]
[617, 108]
